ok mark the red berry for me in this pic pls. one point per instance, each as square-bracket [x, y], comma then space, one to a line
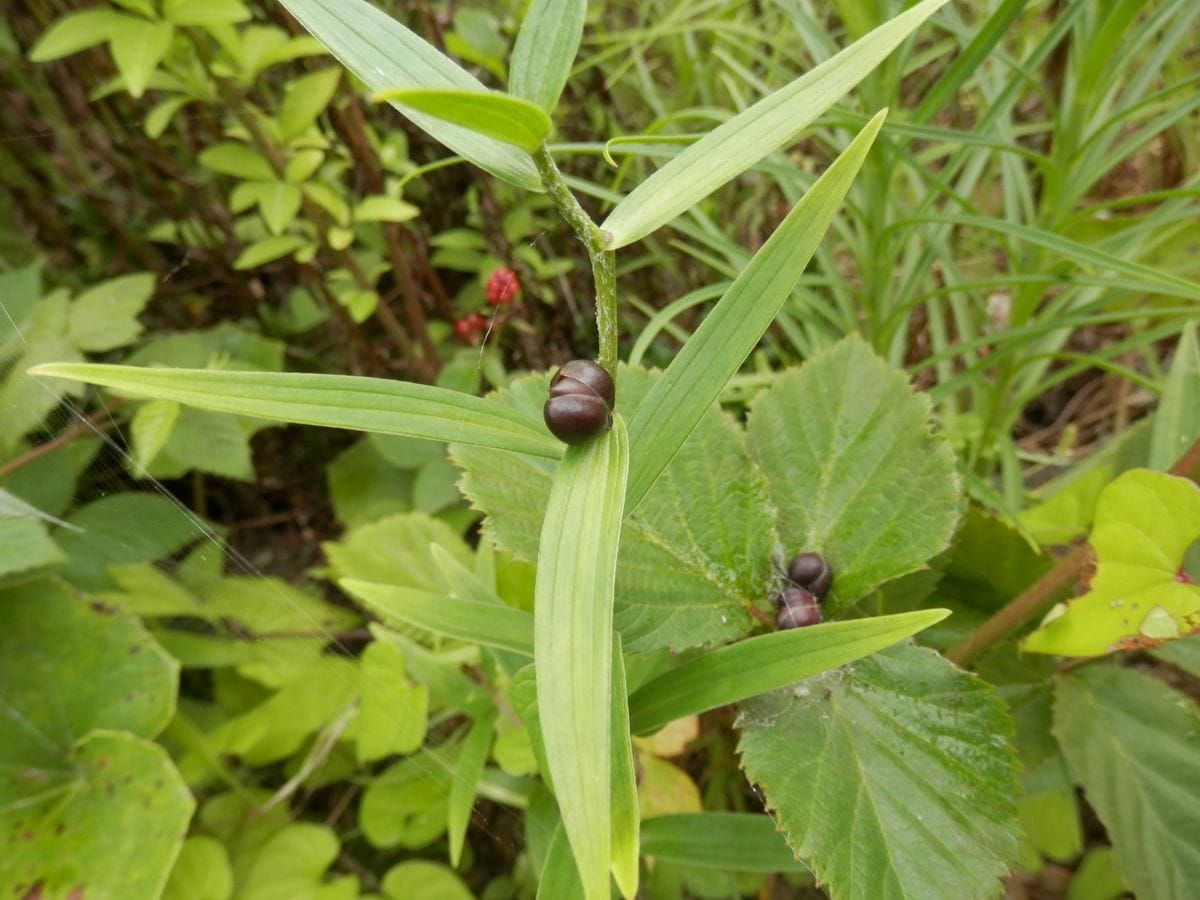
[469, 325]
[502, 287]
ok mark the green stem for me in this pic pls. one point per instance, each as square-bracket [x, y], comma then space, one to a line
[604, 265]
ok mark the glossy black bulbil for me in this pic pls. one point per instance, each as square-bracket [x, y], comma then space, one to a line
[579, 407]
[811, 571]
[798, 608]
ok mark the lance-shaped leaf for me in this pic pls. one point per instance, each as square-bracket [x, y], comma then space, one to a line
[573, 603]
[1145, 522]
[853, 469]
[713, 353]
[752, 135]
[1134, 745]
[757, 665]
[744, 842]
[467, 772]
[1177, 419]
[335, 401]
[891, 777]
[545, 49]
[625, 812]
[384, 54]
[488, 624]
[491, 114]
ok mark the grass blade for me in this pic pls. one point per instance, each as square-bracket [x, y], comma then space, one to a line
[1177, 422]
[384, 54]
[573, 641]
[334, 401]
[545, 49]
[695, 378]
[467, 772]
[466, 620]
[752, 135]
[755, 666]
[491, 114]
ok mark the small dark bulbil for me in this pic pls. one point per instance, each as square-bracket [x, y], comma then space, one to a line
[798, 609]
[580, 404]
[812, 572]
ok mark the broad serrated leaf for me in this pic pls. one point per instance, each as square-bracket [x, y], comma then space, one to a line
[764, 663]
[384, 54]
[545, 49]
[1145, 522]
[890, 778]
[695, 557]
[488, 113]
[1134, 745]
[753, 134]
[573, 643]
[396, 551]
[846, 448]
[335, 401]
[695, 378]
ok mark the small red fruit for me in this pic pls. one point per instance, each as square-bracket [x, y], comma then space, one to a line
[502, 287]
[469, 326]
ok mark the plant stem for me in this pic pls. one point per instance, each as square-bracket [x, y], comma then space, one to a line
[1035, 598]
[604, 265]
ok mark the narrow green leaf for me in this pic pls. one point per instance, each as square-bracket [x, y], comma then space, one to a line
[151, 427]
[573, 604]
[489, 113]
[625, 812]
[1177, 421]
[1134, 745]
[760, 664]
[305, 99]
[695, 378]
[750, 136]
[545, 49]
[75, 32]
[237, 160]
[560, 876]
[384, 54]
[743, 842]
[384, 209]
[467, 771]
[334, 401]
[210, 12]
[465, 620]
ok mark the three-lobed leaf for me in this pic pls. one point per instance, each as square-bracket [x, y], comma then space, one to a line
[1145, 521]
[853, 468]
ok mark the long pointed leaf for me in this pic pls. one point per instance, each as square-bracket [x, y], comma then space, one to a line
[626, 814]
[466, 620]
[764, 663]
[752, 135]
[467, 772]
[491, 114]
[695, 378]
[545, 49]
[573, 640]
[335, 401]
[384, 54]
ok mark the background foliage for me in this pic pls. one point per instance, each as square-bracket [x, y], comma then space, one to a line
[265, 660]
